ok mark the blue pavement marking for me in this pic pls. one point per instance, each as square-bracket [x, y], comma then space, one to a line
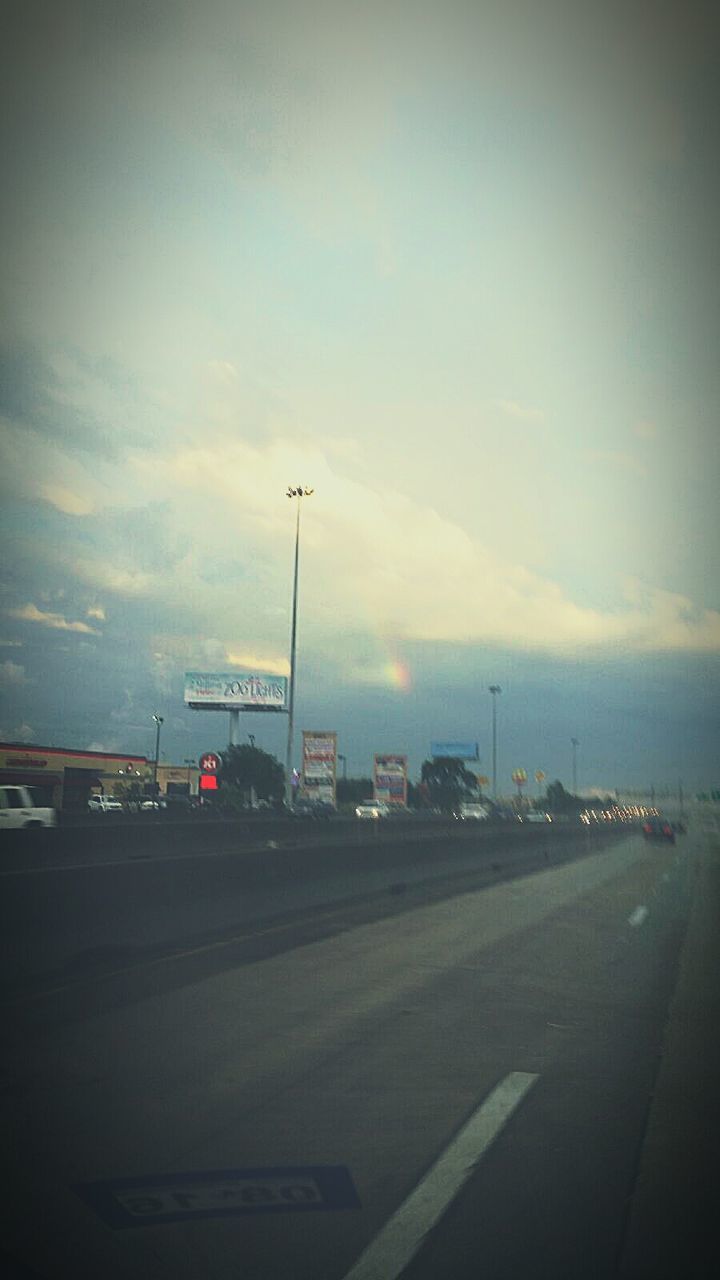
[219, 1193]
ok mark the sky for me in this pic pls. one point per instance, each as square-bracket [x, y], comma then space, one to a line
[452, 264]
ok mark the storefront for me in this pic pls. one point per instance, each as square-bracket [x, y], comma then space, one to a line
[65, 778]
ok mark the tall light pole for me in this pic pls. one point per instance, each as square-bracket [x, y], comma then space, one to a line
[158, 721]
[189, 764]
[575, 745]
[344, 765]
[299, 492]
[494, 690]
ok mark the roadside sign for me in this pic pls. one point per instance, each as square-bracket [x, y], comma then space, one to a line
[210, 762]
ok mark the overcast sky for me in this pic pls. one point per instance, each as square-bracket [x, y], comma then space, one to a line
[452, 263]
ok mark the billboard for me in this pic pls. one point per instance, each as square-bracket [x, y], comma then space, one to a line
[390, 779]
[235, 691]
[455, 750]
[319, 764]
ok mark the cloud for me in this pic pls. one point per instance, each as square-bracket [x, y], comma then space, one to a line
[21, 733]
[31, 613]
[645, 430]
[375, 560]
[618, 461]
[118, 579]
[71, 504]
[524, 413]
[250, 662]
[12, 674]
[96, 611]
[10, 644]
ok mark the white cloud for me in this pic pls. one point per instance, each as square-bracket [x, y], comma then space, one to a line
[374, 560]
[618, 461]
[10, 644]
[56, 622]
[645, 430]
[118, 579]
[12, 674]
[71, 504]
[524, 413]
[96, 611]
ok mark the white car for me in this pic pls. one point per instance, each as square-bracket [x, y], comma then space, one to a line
[471, 812]
[104, 804]
[372, 809]
[537, 817]
[146, 805]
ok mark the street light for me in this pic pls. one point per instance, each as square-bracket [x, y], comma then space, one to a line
[494, 690]
[158, 721]
[575, 745]
[344, 765]
[189, 764]
[293, 491]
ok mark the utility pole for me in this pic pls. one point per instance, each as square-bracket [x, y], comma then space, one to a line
[158, 721]
[575, 745]
[494, 690]
[299, 492]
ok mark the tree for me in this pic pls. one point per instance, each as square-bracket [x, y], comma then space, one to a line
[353, 790]
[249, 769]
[447, 781]
[559, 800]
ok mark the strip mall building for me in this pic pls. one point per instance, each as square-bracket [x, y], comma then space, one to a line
[65, 778]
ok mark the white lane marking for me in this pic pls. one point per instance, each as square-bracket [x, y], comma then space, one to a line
[639, 916]
[390, 1252]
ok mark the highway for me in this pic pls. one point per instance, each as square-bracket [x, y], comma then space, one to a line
[473, 1073]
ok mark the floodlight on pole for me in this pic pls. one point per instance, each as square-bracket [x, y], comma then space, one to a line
[494, 690]
[299, 492]
[158, 721]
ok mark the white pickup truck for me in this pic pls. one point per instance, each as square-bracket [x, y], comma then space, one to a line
[17, 809]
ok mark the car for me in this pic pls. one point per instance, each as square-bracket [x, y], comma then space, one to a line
[373, 809]
[313, 809]
[658, 829]
[104, 804]
[536, 816]
[471, 812]
[150, 803]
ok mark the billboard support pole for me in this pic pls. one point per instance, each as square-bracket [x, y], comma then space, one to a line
[299, 493]
[234, 728]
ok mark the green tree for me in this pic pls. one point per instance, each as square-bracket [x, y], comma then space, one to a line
[447, 781]
[558, 800]
[248, 768]
[353, 790]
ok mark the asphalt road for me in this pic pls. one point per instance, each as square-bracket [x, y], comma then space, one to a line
[459, 1082]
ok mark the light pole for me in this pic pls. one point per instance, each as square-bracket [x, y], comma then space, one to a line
[494, 690]
[158, 721]
[344, 765]
[299, 491]
[575, 745]
[189, 764]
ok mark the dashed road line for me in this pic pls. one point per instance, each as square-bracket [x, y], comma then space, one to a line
[390, 1252]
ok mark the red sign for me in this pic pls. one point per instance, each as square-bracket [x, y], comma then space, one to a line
[208, 782]
[210, 762]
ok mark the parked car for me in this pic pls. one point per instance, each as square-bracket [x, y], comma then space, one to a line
[658, 829]
[312, 809]
[471, 812]
[373, 809]
[150, 803]
[104, 804]
[18, 809]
